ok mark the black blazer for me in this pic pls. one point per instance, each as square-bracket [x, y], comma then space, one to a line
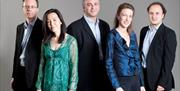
[32, 53]
[160, 57]
[91, 70]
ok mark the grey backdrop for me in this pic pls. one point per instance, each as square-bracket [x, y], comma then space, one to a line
[11, 14]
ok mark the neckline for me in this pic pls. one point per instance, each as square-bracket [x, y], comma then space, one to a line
[118, 33]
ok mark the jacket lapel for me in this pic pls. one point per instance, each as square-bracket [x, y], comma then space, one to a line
[156, 39]
[87, 28]
[156, 36]
[20, 35]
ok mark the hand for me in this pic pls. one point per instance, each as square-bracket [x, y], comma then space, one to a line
[11, 82]
[71, 90]
[119, 89]
[39, 90]
[160, 88]
[142, 88]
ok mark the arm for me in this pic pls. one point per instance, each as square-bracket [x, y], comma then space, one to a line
[73, 66]
[109, 62]
[168, 58]
[41, 71]
[138, 63]
[15, 52]
[15, 57]
[76, 33]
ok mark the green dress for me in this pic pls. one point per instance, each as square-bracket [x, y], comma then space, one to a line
[58, 70]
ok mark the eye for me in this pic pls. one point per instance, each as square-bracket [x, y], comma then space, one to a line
[89, 4]
[157, 13]
[95, 4]
[130, 16]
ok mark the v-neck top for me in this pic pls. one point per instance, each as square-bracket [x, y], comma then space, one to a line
[122, 60]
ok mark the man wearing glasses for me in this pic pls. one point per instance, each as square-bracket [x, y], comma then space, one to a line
[27, 49]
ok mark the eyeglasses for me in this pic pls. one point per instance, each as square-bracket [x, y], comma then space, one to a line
[29, 7]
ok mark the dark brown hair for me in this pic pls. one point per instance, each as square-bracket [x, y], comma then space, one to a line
[48, 33]
[160, 4]
[120, 8]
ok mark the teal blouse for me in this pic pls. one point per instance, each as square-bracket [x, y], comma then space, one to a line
[58, 70]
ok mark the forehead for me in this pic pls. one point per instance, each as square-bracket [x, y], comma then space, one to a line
[91, 1]
[126, 10]
[29, 2]
[155, 8]
[52, 15]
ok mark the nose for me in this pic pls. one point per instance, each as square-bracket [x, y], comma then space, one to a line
[127, 18]
[51, 23]
[93, 6]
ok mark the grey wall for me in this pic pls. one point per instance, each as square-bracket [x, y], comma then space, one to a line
[11, 14]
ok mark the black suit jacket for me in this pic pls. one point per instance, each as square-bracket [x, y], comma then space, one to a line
[32, 54]
[91, 70]
[160, 57]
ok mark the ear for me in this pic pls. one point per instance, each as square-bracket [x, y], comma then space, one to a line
[163, 16]
[37, 10]
[118, 17]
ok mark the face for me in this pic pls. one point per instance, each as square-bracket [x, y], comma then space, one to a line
[30, 9]
[91, 7]
[53, 22]
[156, 14]
[125, 17]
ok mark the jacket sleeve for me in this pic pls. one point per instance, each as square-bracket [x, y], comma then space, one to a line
[15, 53]
[168, 57]
[109, 62]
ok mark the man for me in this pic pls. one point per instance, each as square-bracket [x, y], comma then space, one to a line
[158, 46]
[27, 50]
[90, 33]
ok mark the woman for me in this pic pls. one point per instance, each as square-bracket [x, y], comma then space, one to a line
[59, 59]
[122, 55]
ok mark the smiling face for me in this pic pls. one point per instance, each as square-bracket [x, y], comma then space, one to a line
[91, 8]
[30, 9]
[156, 14]
[54, 23]
[125, 17]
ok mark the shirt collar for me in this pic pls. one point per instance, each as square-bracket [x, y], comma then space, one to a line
[151, 27]
[89, 20]
[31, 23]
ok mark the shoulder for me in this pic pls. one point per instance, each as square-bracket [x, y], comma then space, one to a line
[38, 22]
[168, 30]
[103, 22]
[20, 25]
[144, 28]
[74, 26]
[76, 23]
[112, 32]
[70, 38]
[133, 34]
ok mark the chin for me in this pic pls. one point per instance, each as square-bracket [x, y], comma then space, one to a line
[154, 23]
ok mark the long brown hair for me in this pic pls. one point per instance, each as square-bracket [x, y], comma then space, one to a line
[120, 8]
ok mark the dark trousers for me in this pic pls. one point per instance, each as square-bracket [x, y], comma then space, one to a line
[146, 81]
[130, 83]
[20, 83]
